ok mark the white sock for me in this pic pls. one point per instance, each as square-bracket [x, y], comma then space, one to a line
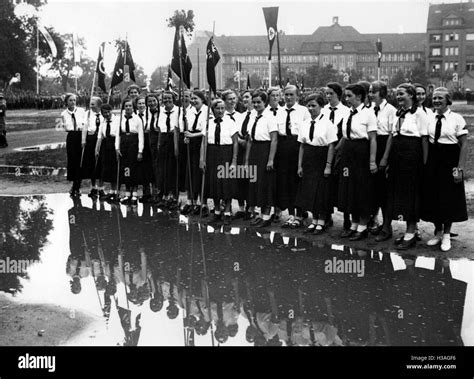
[447, 236]
[227, 214]
[135, 194]
[128, 194]
[361, 228]
[241, 208]
[265, 217]
[216, 212]
[188, 202]
[354, 226]
[408, 236]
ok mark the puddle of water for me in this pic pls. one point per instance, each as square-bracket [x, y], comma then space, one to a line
[47, 146]
[155, 279]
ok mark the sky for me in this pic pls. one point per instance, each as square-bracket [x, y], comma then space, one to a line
[144, 22]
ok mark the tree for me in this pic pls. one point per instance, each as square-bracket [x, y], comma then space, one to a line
[317, 76]
[398, 79]
[159, 77]
[181, 18]
[418, 74]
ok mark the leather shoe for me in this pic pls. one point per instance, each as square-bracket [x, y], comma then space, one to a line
[405, 245]
[239, 214]
[227, 219]
[358, 236]
[264, 223]
[383, 236]
[347, 233]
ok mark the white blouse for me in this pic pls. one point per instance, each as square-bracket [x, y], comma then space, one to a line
[90, 122]
[263, 127]
[175, 120]
[325, 132]
[453, 126]
[148, 118]
[136, 127]
[114, 127]
[414, 124]
[340, 112]
[201, 116]
[362, 123]
[241, 121]
[298, 116]
[68, 124]
[228, 129]
[385, 118]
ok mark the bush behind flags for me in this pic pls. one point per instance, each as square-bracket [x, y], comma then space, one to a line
[124, 58]
[212, 59]
[185, 60]
[271, 17]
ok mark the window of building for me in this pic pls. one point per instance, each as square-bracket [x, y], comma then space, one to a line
[455, 66]
[334, 60]
[325, 60]
[342, 61]
[435, 67]
[436, 52]
[451, 37]
[470, 36]
[470, 66]
[435, 37]
[350, 58]
[337, 46]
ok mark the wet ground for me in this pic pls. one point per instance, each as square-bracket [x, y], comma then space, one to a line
[158, 278]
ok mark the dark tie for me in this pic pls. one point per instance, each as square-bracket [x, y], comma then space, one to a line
[152, 123]
[74, 122]
[97, 122]
[288, 121]
[349, 123]
[245, 124]
[141, 118]
[254, 127]
[274, 110]
[107, 130]
[438, 128]
[311, 130]
[195, 123]
[217, 132]
[168, 121]
[376, 110]
[401, 115]
[332, 115]
[231, 115]
[127, 124]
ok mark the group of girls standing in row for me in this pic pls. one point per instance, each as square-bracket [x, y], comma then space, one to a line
[361, 158]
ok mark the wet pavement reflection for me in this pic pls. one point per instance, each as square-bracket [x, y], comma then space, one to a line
[156, 278]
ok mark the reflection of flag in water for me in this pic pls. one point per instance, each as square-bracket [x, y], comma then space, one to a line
[212, 59]
[271, 17]
[100, 69]
[49, 39]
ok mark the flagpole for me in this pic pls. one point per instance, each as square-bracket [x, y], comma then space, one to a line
[37, 58]
[269, 72]
[279, 60]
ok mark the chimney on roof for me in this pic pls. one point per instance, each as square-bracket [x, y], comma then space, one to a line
[335, 20]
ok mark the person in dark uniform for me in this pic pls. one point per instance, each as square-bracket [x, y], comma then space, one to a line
[222, 150]
[317, 139]
[105, 147]
[408, 153]
[73, 119]
[3, 126]
[259, 159]
[91, 167]
[129, 149]
[444, 198]
[356, 181]
[385, 114]
[152, 115]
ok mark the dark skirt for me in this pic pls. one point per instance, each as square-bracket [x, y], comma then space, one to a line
[242, 189]
[443, 200]
[356, 183]
[194, 190]
[147, 161]
[404, 179]
[335, 172]
[286, 162]
[166, 164]
[182, 163]
[380, 176]
[89, 169]
[153, 137]
[109, 160]
[130, 169]
[74, 150]
[218, 185]
[263, 183]
[314, 192]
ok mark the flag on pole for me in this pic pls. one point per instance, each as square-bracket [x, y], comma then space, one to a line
[117, 76]
[100, 69]
[185, 60]
[75, 48]
[49, 39]
[213, 58]
[271, 17]
[248, 81]
[378, 45]
[169, 82]
[129, 65]
[124, 65]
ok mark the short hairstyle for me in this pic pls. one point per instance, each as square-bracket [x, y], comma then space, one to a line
[201, 95]
[358, 90]
[106, 107]
[410, 88]
[318, 97]
[133, 86]
[336, 87]
[364, 84]
[126, 100]
[140, 97]
[262, 95]
[68, 95]
[227, 93]
[445, 92]
[215, 102]
[292, 88]
[418, 85]
[380, 87]
[273, 89]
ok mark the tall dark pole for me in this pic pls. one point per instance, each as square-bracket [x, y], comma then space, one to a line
[279, 60]
[199, 71]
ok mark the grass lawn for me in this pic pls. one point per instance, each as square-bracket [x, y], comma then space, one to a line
[47, 158]
[27, 119]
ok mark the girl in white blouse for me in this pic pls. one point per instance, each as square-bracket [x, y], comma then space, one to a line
[444, 199]
[73, 120]
[317, 139]
[129, 148]
[408, 152]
